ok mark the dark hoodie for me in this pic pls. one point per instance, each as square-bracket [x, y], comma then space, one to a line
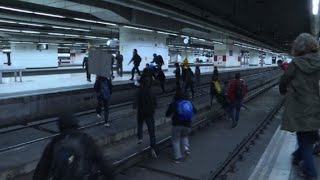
[93, 157]
[301, 81]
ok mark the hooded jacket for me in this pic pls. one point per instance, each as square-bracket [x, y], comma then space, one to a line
[301, 82]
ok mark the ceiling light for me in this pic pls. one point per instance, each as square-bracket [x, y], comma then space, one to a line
[85, 20]
[60, 27]
[72, 35]
[9, 30]
[137, 28]
[14, 9]
[31, 32]
[184, 36]
[67, 44]
[106, 23]
[217, 42]
[116, 39]
[78, 29]
[5, 21]
[201, 39]
[50, 15]
[56, 34]
[161, 32]
[31, 24]
[94, 37]
[194, 38]
[103, 38]
[53, 44]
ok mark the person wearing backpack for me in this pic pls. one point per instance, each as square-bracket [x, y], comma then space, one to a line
[236, 92]
[189, 82]
[136, 59]
[145, 103]
[158, 60]
[215, 88]
[181, 111]
[72, 155]
[103, 88]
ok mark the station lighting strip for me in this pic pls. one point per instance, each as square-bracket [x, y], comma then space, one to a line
[250, 47]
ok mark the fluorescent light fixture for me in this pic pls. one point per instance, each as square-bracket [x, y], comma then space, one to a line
[84, 20]
[94, 37]
[238, 45]
[31, 24]
[193, 38]
[31, 32]
[137, 28]
[60, 27]
[143, 29]
[6, 50]
[217, 42]
[53, 44]
[15, 9]
[103, 38]
[20, 42]
[315, 7]
[116, 39]
[56, 34]
[161, 32]
[106, 23]
[80, 43]
[50, 15]
[201, 39]
[67, 44]
[184, 36]
[5, 21]
[71, 35]
[78, 29]
[9, 30]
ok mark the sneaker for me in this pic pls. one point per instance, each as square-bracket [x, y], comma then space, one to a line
[187, 150]
[99, 115]
[107, 125]
[139, 141]
[154, 154]
[177, 161]
[89, 80]
[131, 79]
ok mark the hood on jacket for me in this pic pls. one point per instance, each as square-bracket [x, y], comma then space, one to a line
[308, 63]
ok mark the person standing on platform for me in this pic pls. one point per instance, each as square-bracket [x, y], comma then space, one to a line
[103, 88]
[136, 59]
[177, 75]
[236, 92]
[189, 82]
[197, 74]
[300, 82]
[216, 72]
[119, 59]
[182, 111]
[145, 103]
[85, 64]
[72, 155]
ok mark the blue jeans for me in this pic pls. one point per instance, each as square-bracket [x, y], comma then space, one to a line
[235, 107]
[180, 140]
[305, 152]
[105, 104]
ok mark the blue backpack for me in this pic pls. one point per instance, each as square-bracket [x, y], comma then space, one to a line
[104, 89]
[184, 110]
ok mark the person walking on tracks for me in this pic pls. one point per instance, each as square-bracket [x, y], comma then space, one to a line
[145, 103]
[182, 111]
[136, 59]
[300, 82]
[236, 92]
[72, 155]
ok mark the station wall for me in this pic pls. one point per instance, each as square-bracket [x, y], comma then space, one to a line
[27, 55]
[3, 58]
[147, 43]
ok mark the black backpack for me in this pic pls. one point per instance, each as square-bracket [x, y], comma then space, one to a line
[239, 90]
[160, 60]
[69, 159]
[138, 60]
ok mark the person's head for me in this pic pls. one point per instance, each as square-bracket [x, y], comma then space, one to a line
[279, 62]
[304, 44]
[176, 64]
[118, 52]
[135, 51]
[67, 121]
[215, 68]
[154, 55]
[237, 76]
[147, 65]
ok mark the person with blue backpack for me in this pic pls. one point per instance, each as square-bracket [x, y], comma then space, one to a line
[182, 111]
[103, 88]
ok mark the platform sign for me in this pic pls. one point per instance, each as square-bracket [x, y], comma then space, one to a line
[100, 63]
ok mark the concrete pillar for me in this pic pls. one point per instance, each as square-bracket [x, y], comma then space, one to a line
[254, 58]
[147, 43]
[227, 55]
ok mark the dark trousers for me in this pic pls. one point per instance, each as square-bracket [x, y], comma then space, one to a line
[162, 86]
[135, 68]
[105, 104]
[305, 152]
[189, 85]
[119, 70]
[150, 124]
[88, 74]
[235, 107]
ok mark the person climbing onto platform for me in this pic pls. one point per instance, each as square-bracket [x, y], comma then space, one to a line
[300, 82]
[236, 92]
[103, 88]
[72, 155]
[182, 110]
[145, 103]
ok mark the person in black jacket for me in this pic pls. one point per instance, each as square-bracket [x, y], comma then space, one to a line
[119, 59]
[136, 59]
[145, 103]
[180, 127]
[85, 162]
[103, 88]
[177, 75]
[189, 81]
[85, 64]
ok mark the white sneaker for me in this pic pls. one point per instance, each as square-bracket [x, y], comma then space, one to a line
[154, 154]
[107, 125]
[98, 115]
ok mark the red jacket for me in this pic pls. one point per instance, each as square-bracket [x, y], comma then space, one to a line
[232, 89]
[284, 66]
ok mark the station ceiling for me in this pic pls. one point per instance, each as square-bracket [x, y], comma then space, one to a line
[268, 23]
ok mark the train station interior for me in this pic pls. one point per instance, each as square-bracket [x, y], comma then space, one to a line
[56, 55]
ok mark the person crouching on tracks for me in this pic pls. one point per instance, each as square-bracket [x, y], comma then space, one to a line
[145, 103]
[300, 82]
[72, 155]
[103, 88]
[236, 92]
[182, 111]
